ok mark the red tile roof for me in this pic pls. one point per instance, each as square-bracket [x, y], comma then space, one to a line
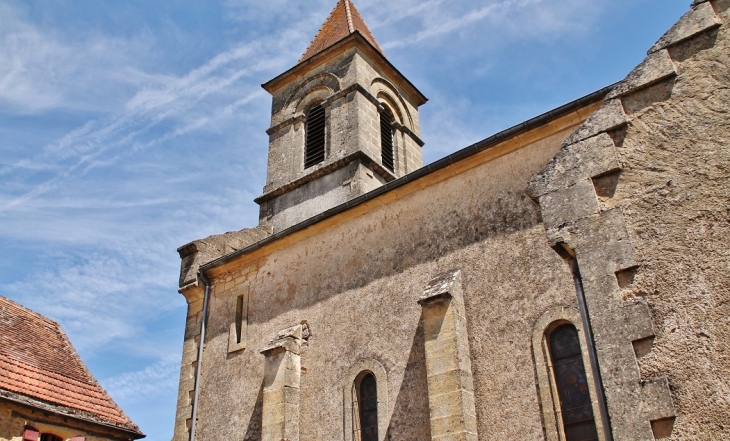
[342, 21]
[38, 361]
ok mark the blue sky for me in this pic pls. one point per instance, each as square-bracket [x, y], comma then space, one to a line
[129, 128]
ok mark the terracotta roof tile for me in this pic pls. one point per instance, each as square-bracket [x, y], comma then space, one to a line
[342, 21]
[38, 361]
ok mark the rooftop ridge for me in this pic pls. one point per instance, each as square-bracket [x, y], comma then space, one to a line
[350, 27]
[343, 20]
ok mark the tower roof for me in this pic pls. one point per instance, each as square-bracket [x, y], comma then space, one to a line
[342, 21]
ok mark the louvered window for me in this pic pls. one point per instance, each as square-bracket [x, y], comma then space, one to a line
[314, 151]
[572, 383]
[386, 139]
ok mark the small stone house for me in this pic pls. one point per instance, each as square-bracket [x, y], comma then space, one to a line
[46, 391]
[565, 279]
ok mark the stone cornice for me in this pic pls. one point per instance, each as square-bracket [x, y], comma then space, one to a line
[325, 170]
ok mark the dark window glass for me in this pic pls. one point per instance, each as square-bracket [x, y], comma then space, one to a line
[49, 437]
[570, 377]
[314, 150]
[368, 403]
[386, 139]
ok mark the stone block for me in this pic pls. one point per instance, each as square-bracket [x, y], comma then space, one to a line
[585, 159]
[657, 395]
[610, 116]
[656, 67]
[569, 205]
[439, 365]
[453, 425]
[192, 328]
[288, 344]
[438, 319]
[273, 431]
[281, 395]
[602, 244]
[699, 19]
[447, 283]
[460, 436]
[619, 371]
[442, 347]
[273, 413]
[450, 404]
[450, 381]
[637, 322]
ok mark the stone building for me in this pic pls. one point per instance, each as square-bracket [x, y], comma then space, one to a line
[46, 391]
[565, 279]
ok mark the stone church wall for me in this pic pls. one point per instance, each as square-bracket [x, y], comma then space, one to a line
[356, 283]
[639, 194]
[675, 194]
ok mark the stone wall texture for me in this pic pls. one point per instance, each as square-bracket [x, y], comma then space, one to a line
[357, 284]
[640, 194]
[674, 192]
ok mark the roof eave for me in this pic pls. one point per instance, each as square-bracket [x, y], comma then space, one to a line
[444, 162]
[24, 400]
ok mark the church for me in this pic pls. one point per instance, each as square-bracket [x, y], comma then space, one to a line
[565, 279]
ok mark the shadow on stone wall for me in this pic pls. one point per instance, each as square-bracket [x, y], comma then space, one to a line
[368, 257]
[253, 428]
[410, 418]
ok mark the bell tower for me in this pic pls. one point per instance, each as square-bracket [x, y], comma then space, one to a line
[344, 121]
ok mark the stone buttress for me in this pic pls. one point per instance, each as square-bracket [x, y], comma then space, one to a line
[576, 193]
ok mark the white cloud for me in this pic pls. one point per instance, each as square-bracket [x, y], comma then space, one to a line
[157, 379]
[42, 69]
[486, 23]
[109, 291]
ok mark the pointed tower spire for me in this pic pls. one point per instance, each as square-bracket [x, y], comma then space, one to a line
[342, 21]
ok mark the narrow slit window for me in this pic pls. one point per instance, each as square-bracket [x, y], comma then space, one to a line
[386, 139]
[239, 323]
[572, 383]
[239, 319]
[315, 131]
[368, 406]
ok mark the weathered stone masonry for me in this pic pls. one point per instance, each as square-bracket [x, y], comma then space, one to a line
[448, 361]
[574, 193]
[634, 194]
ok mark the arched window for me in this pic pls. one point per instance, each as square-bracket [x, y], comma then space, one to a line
[367, 400]
[567, 390]
[572, 384]
[386, 139]
[314, 150]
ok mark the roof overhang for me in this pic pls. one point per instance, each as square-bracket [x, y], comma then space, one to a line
[68, 413]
